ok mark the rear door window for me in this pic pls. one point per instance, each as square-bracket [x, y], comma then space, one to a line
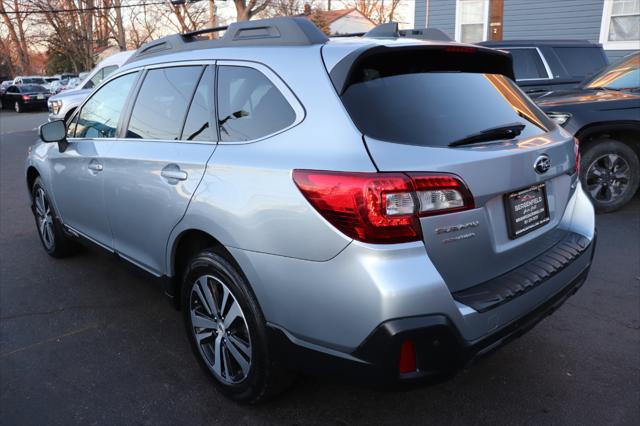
[528, 65]
[437, 108]
[581, 61]
[200, 124]
[250, 106]
[161, 105]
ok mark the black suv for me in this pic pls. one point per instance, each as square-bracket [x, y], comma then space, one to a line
[545, 65]
[604, 114]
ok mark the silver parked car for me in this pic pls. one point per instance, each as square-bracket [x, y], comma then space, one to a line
[379, 207]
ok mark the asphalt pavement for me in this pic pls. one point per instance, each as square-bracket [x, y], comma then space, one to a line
[88, 340]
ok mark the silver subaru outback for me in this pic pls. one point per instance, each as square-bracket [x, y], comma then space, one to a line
[381, 207]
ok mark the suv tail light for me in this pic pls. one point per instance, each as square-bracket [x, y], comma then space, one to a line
[381, 208]
[25, 97]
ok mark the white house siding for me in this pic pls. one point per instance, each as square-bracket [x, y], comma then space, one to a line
[353, 22]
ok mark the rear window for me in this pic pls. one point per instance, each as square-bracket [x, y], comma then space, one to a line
[33, 81]
[527, 64]
[581, 61]
[28, 88]
[437, 108]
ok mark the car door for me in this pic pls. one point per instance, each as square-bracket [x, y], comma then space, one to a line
[154, 169]
[77, 171]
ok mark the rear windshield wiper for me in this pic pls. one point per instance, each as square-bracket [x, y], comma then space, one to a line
[506, 131]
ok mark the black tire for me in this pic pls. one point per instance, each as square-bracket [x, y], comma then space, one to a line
[265, 377]
[55, 242]
[609, 191]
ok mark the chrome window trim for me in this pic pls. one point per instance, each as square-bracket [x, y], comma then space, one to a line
[544, 61]
[284, 89]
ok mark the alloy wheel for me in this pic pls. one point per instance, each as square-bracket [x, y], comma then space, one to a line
[16, 106]
[220, 330]
[608, 177]
[44, 219]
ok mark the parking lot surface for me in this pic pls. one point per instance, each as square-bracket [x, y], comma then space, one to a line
[89, 340]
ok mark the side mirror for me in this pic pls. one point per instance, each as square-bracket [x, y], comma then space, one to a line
[54, 131]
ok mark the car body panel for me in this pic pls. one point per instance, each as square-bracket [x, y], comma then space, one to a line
[143, 206]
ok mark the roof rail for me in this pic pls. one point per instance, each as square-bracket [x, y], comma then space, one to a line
[391, 30]
[284, 31]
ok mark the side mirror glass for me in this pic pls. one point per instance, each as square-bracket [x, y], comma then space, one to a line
[54, 131]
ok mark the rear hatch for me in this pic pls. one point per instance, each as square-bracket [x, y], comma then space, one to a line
[453, 111]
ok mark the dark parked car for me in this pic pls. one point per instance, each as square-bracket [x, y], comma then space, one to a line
[604, 114]
[545, 65]
[25, 96]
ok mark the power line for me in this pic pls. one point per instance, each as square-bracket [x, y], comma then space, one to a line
[82, 10]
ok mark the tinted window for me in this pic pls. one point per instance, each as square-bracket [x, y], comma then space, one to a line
[249, 105]
[581, 61]
[527, 64]
[33, 81]
[12, 89]
[162, 103]
[100, 114]
[199, 125]
[99, 76]
[435, 108]
[28, 88]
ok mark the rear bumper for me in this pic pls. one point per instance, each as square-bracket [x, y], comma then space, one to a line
[441, 350]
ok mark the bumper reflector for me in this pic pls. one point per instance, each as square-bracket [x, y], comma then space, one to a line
[407, 357]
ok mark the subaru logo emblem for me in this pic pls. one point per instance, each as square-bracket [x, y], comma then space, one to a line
[542, 164]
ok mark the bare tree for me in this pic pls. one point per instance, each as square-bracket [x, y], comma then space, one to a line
[14, 14]
[378, 11]
[287, 8]
[247, 9]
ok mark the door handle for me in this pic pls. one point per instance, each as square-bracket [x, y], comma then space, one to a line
[172, 173]
[95, 166]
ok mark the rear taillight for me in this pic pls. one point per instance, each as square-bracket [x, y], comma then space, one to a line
[381, 208]
[576, 151]
[25, 97]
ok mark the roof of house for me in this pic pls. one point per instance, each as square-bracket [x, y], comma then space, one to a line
[333, 15]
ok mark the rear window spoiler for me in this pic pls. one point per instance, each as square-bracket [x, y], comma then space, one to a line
[422, 58]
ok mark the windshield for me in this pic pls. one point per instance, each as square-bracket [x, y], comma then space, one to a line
[624, 74]
[438, 108]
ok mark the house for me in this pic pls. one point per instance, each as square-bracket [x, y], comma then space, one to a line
[613, 23]
[343, 21]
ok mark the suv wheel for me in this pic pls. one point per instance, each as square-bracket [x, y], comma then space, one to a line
[54, 241]
[227, 330]
[17, 107]
[610, 174]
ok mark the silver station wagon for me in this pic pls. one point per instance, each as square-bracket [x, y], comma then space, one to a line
[382, 207]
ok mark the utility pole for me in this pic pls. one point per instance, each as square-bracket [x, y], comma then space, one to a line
[328, 4]
[213, 19]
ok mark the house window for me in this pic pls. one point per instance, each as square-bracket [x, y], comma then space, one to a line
[620, 25]
[471, 20]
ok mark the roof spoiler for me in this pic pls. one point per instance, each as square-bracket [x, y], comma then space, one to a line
[445, 57]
